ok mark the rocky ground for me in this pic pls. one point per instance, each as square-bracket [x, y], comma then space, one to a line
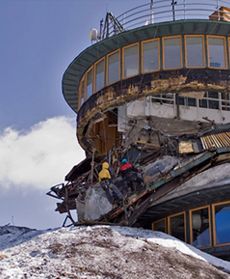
[103, 252]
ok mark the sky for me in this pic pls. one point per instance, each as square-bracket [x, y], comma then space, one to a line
[38, 145]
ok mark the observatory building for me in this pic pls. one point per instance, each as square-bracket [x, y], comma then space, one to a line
[154, 86]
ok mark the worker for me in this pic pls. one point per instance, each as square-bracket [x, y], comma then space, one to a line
[126, 167]
[104, 174]
[112, 192]
[130, 175]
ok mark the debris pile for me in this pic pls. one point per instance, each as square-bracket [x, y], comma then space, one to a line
[160, 162]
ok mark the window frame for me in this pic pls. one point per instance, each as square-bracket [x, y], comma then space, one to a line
[107, 66]
[86, 80]
[165, 223]
[186, 52]
[95, 74]
[185, 225]
[209, 223]
[80, 96]
[225, 52]
[228, 51]
[215, 244]
[123, 60]
[142, 55]
[163, 51]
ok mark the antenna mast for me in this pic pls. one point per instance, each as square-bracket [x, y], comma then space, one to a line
[173, 9]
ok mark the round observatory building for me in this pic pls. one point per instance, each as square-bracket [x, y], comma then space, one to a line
[154, 86]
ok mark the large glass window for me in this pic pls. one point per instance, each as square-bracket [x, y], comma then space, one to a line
[150, 56]
[100, 75]
[177, 226]
[81, 98]
[225, 101]
[217, 52]
[186, 101]
[131, 61]
[159, 225]
[200, 228]
[166, 98]
[195, 56]
[222, 224]
[113, 67]
[89, 83]
[210, 100]
[172, 53]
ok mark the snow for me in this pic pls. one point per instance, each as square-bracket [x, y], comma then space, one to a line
[172, 242]
[102, 252]
[12, 235]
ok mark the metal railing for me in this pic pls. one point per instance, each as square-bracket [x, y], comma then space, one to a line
[156, 11]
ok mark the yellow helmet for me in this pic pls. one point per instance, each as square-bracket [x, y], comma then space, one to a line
[105, 165]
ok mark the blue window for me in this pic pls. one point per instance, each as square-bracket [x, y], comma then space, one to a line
[222, 217]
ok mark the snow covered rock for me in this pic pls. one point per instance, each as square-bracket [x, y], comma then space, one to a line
[12, 235]
[104, 252]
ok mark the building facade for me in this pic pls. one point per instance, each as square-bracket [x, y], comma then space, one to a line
[158, 77]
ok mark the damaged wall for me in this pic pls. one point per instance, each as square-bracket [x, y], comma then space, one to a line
[149, 84]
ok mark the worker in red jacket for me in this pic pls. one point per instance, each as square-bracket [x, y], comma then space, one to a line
[125, 166]
[131, 177]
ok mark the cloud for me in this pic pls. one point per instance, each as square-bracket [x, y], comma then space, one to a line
[41, 156]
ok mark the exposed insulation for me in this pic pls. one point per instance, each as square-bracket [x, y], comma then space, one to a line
[185, 147]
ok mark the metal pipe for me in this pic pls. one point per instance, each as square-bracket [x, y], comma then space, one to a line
[151, 12]
[173, 9]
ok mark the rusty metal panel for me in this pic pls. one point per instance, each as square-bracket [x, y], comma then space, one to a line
[216, 140]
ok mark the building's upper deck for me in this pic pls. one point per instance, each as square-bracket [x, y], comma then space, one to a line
[103, 63]
[158, 11]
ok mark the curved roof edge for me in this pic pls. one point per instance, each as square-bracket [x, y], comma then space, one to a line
[216, 176]
[74, 72]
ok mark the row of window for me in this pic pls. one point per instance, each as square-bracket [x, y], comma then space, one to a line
[191, 51]
[210, 100]
[202, 226]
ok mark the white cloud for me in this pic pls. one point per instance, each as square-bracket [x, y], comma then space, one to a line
[40, 157]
